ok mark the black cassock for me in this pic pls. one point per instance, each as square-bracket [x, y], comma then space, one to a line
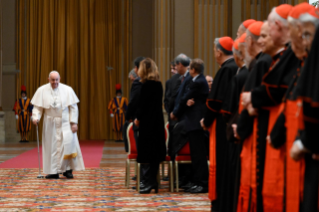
[231, 174]
[267, 89]
[245, 122]
[220, 87]
[308, 90]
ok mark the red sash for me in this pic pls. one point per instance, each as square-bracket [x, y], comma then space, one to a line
[294, 170]
[273, 182]
[248, 181]
[212, 162]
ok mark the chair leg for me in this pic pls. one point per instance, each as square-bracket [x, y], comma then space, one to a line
[171, 176]
[128, 176]
[163, 170]
[177, 177]
[158, 177]
[138, 176]
[135, 168]
[126, 173]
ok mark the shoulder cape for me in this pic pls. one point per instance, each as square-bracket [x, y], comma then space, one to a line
[42, 96]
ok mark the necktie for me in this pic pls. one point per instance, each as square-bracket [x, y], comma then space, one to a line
[183, 78]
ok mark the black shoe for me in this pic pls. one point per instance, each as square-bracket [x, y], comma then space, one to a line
[187, 186]
[149, 188]
[198, 189]
[142, 186]
[190, 188]
[166, 178]
[52, 176]
[68, 174]
[134, 178]
[26, 141]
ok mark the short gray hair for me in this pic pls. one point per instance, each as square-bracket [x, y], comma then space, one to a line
[183, 59]
[254, 37]
[306, 17]
[276, 17]
[132, 73]
[237, 52]
[54, 71]
[218, 46]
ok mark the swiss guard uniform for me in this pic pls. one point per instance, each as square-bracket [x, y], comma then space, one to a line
[117, 107]
[23, 111]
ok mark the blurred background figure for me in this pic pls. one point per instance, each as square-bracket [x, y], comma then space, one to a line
[209, 80]
[117, 107]
[23, 111]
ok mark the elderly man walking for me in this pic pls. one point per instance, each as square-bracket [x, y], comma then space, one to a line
[57, 103]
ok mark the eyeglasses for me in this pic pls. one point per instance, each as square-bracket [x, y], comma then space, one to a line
[306, 36]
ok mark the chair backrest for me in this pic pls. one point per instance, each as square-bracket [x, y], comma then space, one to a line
[131, 140]
[166, 138]
[185, 150]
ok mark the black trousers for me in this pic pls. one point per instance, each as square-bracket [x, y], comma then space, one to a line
[144, 167]
[310, 199]
[151, 173]
[198, 148]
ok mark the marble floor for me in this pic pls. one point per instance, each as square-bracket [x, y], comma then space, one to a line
[113, 152]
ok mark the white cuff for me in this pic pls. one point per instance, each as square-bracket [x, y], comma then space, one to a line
[299, 144]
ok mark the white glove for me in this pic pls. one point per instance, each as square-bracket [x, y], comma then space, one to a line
[17, 117]
[112, 115]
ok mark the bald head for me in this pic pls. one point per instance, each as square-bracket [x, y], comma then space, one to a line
[54, 73]
[54, 79]
[278, 27]
[209, 80]
[265, 40]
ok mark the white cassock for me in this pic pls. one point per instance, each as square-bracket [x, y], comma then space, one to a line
[60, 146]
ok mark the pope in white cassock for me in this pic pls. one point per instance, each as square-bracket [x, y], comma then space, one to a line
[57, 103]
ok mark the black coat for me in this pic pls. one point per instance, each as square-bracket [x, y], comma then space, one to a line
[197, 90]
[151, 142]
[134, 99]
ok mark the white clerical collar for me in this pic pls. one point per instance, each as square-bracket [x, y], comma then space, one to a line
[280, 50]
[194, 78]
[240, 68]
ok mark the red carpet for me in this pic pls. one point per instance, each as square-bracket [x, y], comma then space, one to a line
[92, 152]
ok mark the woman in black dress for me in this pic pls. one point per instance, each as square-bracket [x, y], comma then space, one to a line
[149, 118]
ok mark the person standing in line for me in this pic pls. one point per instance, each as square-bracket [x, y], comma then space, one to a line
[149, 118]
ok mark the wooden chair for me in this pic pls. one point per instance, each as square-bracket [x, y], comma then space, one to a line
[131, 155]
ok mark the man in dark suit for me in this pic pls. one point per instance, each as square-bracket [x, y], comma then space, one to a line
[182, 63]
[192, 105]
[176, 124]
[177, 141]
[170, 85]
